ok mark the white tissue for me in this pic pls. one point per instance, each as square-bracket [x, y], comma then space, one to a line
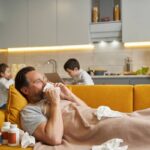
[113, 144]
[48, 86]
[27, 140]
[51, 86]
[104, 111]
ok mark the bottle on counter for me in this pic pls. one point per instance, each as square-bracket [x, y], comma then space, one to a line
[5, 128]
[13, 135]
[128, 64]
[116, 13]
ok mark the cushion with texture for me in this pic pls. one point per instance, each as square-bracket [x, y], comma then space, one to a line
[16, 102]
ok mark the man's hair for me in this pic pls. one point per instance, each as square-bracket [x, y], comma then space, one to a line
[3, 68]
[72, 63]
[21, 80]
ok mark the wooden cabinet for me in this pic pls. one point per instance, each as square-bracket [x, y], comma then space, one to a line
[73, 18]
[135, 20]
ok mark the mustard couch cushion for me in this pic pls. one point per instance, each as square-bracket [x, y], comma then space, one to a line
[2, 117]
[5, 147]
[141, 97]
[117, 97]
[15, 104]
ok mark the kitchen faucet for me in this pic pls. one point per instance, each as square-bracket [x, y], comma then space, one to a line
[54, 64]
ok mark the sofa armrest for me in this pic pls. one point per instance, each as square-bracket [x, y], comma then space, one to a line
[2, 116]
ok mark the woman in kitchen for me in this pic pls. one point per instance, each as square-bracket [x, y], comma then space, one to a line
[79, 76]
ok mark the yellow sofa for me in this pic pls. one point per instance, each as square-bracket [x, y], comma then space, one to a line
[124, 98]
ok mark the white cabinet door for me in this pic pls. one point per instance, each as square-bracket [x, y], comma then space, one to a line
[73, 17]
[13, 23]
[1, 23]
[42, 23]
[135, 20]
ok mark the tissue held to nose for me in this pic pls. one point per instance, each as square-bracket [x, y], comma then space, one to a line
[51, 86]
[48, 86]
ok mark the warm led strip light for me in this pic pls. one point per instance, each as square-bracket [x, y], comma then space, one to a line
[52, 48]
[137, 44]
[3, 50]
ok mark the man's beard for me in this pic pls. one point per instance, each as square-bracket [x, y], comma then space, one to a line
[38, 97]
[42, 95]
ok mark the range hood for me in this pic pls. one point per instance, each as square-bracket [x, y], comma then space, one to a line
[106, 31]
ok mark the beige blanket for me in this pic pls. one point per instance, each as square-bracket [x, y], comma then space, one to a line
[82, 130]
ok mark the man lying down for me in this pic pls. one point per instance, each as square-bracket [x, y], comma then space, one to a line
[61, 121]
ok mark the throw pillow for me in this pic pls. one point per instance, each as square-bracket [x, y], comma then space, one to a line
[16, 102]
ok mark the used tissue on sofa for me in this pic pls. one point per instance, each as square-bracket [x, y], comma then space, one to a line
[113, 144]
[105, 111]
[27, 140]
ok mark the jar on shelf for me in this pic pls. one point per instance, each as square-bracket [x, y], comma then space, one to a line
[95, 15]
[116, 13]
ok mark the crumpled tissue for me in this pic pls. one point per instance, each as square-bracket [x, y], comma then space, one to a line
[51, 86]
[48, 86]
[27, 140]
[105, 111]
[113, 144]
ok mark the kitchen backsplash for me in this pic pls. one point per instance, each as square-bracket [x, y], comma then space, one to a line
[106, 57]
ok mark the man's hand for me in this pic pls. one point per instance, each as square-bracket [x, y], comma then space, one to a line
[65, 93]
[68, 95]
[53, 95]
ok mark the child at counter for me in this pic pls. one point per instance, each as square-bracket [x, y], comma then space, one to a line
[5, 81]
[79, 76]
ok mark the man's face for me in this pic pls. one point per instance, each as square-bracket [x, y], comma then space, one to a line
[72, 73]
[36, 82]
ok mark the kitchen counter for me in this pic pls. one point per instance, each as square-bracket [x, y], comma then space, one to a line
[119, 79]
[121, 76]
[122, 79]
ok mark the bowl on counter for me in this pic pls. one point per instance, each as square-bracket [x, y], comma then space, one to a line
[99, 72]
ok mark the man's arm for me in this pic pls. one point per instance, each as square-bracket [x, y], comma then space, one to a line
[68, 95]
[51, 132]
[76, 100]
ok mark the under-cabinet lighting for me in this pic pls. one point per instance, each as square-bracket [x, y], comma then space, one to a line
[136, 44]
[115, 43]
[102, 44]
[52, 48]
[3, 50]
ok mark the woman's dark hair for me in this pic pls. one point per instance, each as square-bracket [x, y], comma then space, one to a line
[21, 80]
[3, 67]
[72, 63]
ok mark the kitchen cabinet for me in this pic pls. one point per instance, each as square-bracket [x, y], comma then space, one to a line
[13, 23]
[1, 20]
[29, 23]
[135, 20]
[108, 26]
[41, 22]
[73, 18]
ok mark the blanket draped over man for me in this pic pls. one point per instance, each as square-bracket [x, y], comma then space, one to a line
[82, 129]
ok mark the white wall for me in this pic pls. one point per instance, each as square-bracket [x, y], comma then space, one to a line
[106, 57]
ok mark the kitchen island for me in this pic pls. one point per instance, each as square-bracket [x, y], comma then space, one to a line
[119, 79]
